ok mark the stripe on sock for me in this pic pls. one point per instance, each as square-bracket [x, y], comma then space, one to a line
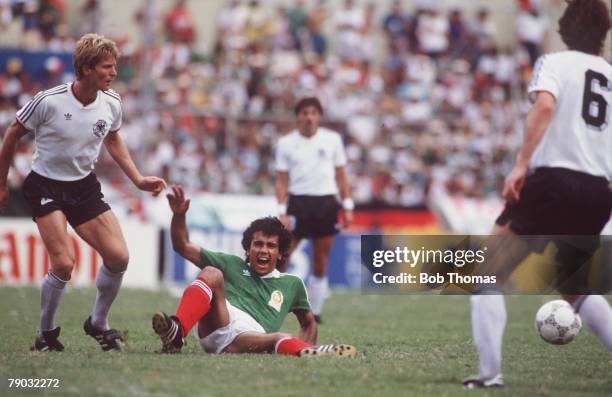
[202, 285]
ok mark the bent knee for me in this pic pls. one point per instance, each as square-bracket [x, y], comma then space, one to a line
[212, 275]
[116, 261]
[63, 269]
[62, 266]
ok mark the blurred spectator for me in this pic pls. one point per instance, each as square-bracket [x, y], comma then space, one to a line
[178, 24]
[349, 22]
[50, 15]
[457, 33]
[531, 28]
[231, 22]
[367, 36]
[61, 42]
[483, 30]
[440, 112]
[298, 19]
[433, 31]
[257, 22]
[395, 23]
[317, 41]
[91, 16]
[6, 13]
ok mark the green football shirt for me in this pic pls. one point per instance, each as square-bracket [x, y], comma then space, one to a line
[268, 299]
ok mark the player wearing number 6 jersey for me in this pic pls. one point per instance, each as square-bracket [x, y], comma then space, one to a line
[560, 182]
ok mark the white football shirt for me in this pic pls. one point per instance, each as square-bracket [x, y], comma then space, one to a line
[579, 136]
[311, 162]
[68, 136]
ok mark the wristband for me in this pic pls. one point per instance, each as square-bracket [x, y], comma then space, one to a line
[348, 204]
[281, 208]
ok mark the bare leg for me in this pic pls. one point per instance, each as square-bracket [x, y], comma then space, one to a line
[254, 342]
[321, 247]
[104, 234]
[53, 231]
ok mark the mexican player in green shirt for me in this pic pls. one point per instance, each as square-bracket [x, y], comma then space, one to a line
[238, 305]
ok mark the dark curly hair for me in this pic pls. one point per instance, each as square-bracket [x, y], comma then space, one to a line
[584, 25]
[270, 226]
[308, 101]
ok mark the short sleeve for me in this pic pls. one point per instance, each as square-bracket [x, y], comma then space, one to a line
[118, 120]
[282, 157]
[545, 78]
[32, 115]
[117, 112]
[339, 154]
[219, 260]
[301, 298]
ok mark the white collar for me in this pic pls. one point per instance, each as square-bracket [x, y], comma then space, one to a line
[273, 274]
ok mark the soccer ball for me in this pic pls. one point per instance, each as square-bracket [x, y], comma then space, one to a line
[557, 323]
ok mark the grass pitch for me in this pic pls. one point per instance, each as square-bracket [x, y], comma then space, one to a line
[409, 346]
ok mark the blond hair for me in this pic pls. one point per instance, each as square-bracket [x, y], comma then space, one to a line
[91, 49]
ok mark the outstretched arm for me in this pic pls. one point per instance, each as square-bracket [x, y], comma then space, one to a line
[308, 326]
[13, 134]
[536, 123]
[178, 227]
[120, 153]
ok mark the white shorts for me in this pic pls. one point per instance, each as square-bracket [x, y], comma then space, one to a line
[239, 322]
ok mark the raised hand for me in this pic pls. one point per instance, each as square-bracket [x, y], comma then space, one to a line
[177, 201]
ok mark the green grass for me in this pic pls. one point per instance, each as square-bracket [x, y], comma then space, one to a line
[409, 346]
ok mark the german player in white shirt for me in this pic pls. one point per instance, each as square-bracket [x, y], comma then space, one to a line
[310, 175]
[70, 123]
[560, 182]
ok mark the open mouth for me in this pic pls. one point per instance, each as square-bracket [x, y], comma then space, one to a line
[263, 260]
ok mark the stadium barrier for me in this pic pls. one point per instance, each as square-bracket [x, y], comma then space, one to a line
[24, 259]
[36, 63]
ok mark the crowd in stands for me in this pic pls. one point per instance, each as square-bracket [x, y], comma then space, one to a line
[422, 97]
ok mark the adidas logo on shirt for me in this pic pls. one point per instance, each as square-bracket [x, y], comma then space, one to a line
[68, 116]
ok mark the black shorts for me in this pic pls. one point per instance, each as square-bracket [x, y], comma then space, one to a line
[80, 200]
[560, 201]
[569, 208]
[315, 216]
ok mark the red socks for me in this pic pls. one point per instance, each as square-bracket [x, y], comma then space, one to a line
[194, 304]
[290, 346]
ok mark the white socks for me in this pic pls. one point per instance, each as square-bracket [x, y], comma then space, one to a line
[318, 289]
[52, 290]
[108, 284]
[597, 314]
[488, 323]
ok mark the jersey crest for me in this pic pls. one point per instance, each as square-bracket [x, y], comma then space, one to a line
[276, 300]
[99, 128]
